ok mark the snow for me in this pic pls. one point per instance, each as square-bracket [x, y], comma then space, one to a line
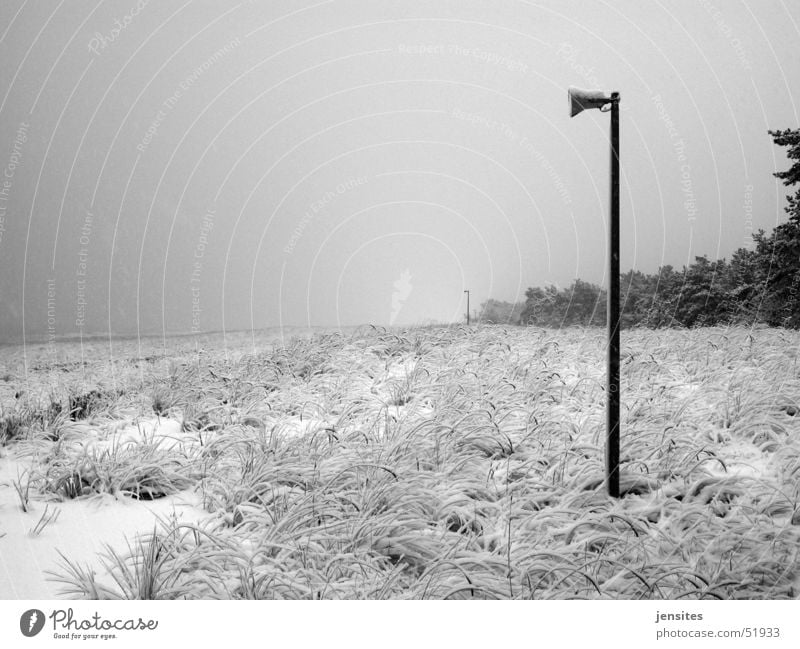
[84, 526]
[167, 434]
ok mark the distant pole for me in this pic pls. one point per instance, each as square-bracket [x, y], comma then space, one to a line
[580, 100]
[612, 411]
[467, 292]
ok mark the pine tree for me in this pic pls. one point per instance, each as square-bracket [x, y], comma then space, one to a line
[779, 252]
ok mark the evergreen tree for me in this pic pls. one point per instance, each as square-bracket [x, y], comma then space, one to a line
[779, 253]
[743, 284]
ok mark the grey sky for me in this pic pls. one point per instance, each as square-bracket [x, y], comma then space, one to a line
[236, 164]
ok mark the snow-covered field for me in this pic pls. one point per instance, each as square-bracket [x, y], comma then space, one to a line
[424, 463]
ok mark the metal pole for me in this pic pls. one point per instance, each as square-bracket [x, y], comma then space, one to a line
[613, 387]
[467, 292]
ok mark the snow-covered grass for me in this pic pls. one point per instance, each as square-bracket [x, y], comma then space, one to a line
[423, 463]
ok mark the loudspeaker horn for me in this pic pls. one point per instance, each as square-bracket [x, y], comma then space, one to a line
[580, 100]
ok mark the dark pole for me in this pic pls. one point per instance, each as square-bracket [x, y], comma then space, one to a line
[467, 292]
[613, 387]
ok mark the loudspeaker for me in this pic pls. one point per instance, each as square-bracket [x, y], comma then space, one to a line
[580, 100]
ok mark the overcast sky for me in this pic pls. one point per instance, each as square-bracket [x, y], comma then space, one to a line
[170, 166]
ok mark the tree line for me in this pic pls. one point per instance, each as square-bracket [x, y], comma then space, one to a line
[757, 285]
